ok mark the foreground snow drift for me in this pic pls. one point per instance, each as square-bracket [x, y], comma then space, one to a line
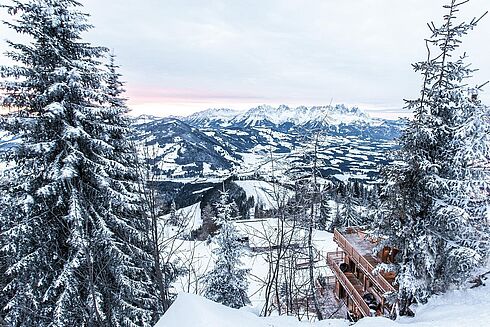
[457, 308]
[194, 311]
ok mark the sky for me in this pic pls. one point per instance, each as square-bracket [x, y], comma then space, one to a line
[182, 56]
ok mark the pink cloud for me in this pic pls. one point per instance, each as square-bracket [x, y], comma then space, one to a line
[160, 94]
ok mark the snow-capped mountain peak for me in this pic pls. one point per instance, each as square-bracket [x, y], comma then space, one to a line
[268, 116]
[212, 117]
[332, 115]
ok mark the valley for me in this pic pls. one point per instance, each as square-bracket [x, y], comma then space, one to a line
[268, 142]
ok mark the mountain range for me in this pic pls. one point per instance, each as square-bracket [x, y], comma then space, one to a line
[268, 141]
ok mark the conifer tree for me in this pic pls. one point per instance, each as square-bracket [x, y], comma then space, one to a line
[436, 194]
[8, 211]
[350, 213]
[77, 245]
[174, 219]
[227, 283]
[347, 211]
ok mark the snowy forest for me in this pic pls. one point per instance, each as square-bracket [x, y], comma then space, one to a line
[308, 215]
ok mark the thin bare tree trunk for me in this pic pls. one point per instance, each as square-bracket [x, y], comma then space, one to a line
[311, 267]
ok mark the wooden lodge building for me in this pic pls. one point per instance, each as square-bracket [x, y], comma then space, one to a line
[363, 291]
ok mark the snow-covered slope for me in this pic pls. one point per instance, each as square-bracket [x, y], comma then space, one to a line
[194, 311]
[283, 117]
[190, 216]
[179, 150]
[265, 194]
[455, 309]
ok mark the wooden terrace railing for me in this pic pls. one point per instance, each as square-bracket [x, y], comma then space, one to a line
[362, 263]
[333, 259]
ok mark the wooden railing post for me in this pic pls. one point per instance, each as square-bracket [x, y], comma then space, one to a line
[347, 285]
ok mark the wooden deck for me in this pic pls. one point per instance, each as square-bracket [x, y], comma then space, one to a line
[359, 251]
[352, 286]
[356, 283]
[373, 261]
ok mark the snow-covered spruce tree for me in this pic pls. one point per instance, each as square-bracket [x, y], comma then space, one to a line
[128, 219]
[174, 218]
[436, 194]
[6, 214]
[351, 215]
[227, 283]
[348, 211]
[77, 247]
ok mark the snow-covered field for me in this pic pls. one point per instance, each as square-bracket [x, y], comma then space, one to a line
[264, 193]
[458, 308]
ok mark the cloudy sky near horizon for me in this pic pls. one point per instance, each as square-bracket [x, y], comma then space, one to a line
[180, 56]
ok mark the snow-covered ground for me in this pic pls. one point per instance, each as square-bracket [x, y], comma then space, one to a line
[191, 217]
[458, 308]
[194, 311]
[263, 192]
[196, 257]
